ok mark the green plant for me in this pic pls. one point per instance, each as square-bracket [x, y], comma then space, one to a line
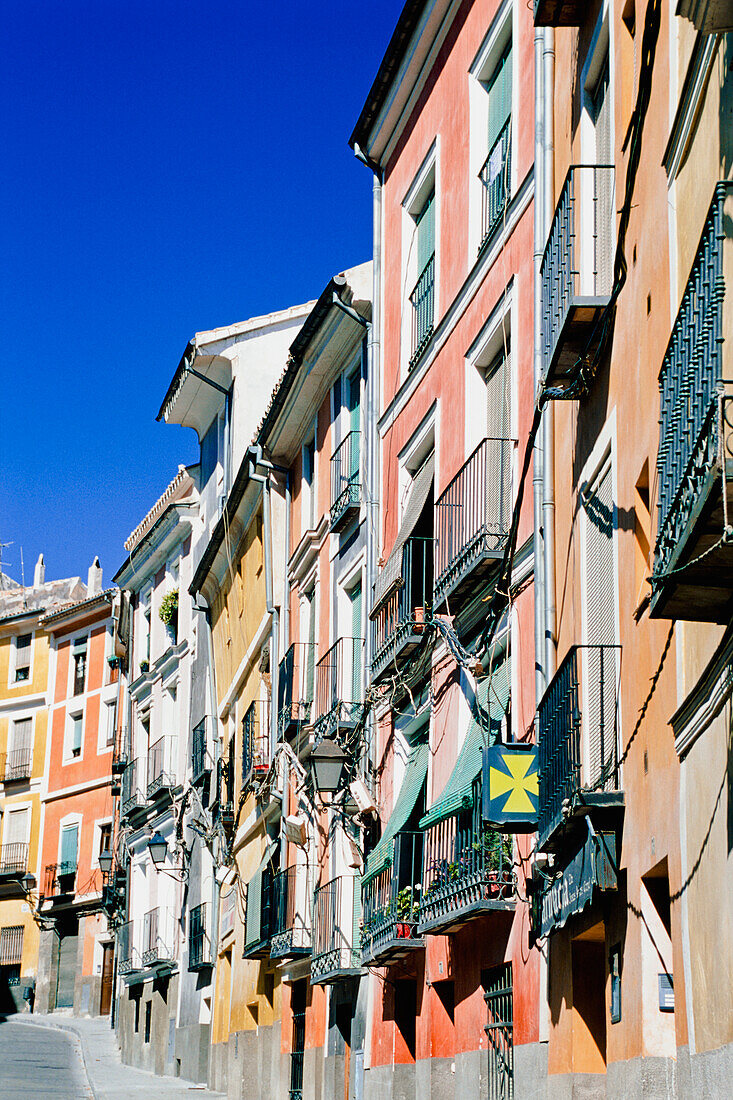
[144, 666]
[495, 847]
[169, 608]
[405, 904]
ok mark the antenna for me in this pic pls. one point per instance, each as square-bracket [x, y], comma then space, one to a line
[3, 545]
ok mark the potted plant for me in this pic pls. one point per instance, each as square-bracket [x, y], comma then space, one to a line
[144, 665]
[406, 911]
[168, 613]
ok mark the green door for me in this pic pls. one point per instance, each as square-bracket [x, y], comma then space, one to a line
[356, 633]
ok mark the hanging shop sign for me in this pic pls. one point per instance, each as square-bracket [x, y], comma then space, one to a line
[511, 790]
[593, 867]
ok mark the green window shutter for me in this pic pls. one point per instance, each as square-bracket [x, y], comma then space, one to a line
[254, 910]
[500, 95]
[425, 233]
[69, 846]
[412, 783]
[356, 632]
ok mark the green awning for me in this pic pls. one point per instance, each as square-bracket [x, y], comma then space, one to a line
[415, 772]
[492, 697]
[253, 915]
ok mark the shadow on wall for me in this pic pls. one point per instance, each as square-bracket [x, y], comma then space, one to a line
[7, 1003]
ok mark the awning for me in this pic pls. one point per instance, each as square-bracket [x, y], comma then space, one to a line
[253, 918]
[391, 574]
[415, 772]
[492, 697]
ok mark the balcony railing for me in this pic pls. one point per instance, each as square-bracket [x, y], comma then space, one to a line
[422, 301]
[60, 878]
[391, 903]
[339, 685]
[578, 737]
[401, 620]
[296, 688]
[467, 870]
[16, 765]
[345, 480]
[128, 948]
[132, 797]
[336, 917]
[472, 519]
[291, 931]
[559, 13]
[160, 937]
[695, 458]
[255, 743]
[577, 270]
[199, 940]
[495, 175]
[161, 767]
[13, 859]
[199, 757]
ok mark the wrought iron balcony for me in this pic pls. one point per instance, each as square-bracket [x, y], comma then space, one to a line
[133, 796]
[161, 767]
[60, 878]
[472, 519]
[120, 752]
[695, 458]
[345, 480]
[255, 743]
[291, 930]
[578, 741]
[128, 948]
[467, 870]
[559, 13]
[200, 761]
[391, 904]
[296, 685]
[577, 270]
[259, 915]
[495, 175]
[199, 939]
[401, 619]
[160, 938]
[422, 301]
[16, 765]
[336, 918]
[13, 859]
[339, 686]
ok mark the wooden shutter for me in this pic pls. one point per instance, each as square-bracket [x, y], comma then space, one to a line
[22, 734]
[69, 846]
[425, 233]
[600, 665]
[356, 633]
[499, 454]
[16, 827]
[500, 95]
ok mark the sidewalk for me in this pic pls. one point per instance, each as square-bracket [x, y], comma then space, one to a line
[108, 1078]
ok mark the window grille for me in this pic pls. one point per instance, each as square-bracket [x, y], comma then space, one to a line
[500, 1033]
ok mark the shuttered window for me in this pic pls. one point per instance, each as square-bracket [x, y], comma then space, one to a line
[80, 665]
[77, 723]
[23, 645]
[499, 451]
[22, 735]
[69, 848]
[356, 632]
[499, 87]
[425, 233]
[11, 945]
[16, 827]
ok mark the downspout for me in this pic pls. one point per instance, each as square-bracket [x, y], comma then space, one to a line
[537, 460]
[548, 503]
[286, 586]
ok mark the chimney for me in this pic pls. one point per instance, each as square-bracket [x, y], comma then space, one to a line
[94, 578]
[39, 573]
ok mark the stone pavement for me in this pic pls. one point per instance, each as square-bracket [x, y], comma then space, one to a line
[90, 1063]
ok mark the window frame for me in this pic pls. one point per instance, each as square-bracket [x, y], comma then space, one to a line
[13, 681]
[425, 181]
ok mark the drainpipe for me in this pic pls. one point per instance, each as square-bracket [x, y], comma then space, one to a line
[548, 503]
[537, 461]
[286, 586]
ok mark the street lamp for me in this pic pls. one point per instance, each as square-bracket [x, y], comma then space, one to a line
[105, 860]
[328, 762]
[158, 848]
[28, 882]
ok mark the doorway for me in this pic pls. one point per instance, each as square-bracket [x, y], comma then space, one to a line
[105, 999]
[66, 978]
[589, 1001]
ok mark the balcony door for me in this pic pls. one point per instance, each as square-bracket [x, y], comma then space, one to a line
[499, 456]
[15, 832]
[354, 595]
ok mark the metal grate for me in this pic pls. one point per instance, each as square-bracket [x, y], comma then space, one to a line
[422, 301]
[296, 1057]
[199, 947]
[500, 1033]
[13, 858]
[495, 175]
[11, 945]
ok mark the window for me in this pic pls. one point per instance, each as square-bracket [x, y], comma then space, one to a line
[11, 953]
[23, 650]
[14, 850]
[422, 297]
[309, 485]
[147, 629]
[68, 853]
[495, 172]
[18, 764]
[76, 726]
[111, 722]
[105, 837]
[79, 657]
[148, 1019]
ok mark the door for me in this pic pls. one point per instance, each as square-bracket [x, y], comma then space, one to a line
[68, 946]
[105, 1000]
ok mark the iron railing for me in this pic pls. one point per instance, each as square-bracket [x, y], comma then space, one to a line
[578, 258]
[16, 765]
[578, 732]
[199, 941]
[340, 683]
[199, 756]
[128, 951]
[11, 945]
[14, 859]
[467, 868]
[255, 742]
[120, 751]
[291, 931]
[407, 609]
[391, 901]
[692, 382]
[297, 1055]
[473, 514]
[60, 878]
[345, 477]
[296, 686]
[161, 766]
[499, 1030]
[159, 937]
[422, 301]
[132, 786]
[495, 175]
[336, 916]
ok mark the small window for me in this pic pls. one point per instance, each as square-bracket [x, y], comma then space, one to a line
[79, 655]
[23, 648]
[105, 837]
[309, 481]
[148, 1019]
[111, 722]
[77, 724]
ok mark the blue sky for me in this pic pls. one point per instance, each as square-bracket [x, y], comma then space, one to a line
[168, 166]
